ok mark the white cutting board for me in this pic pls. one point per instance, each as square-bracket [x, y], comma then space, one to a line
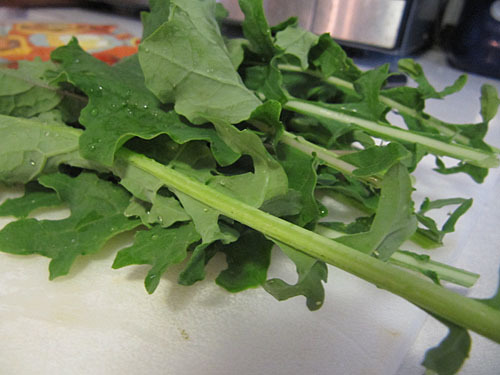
[102, 321]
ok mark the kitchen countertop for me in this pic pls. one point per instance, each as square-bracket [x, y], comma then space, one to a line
[102, 321]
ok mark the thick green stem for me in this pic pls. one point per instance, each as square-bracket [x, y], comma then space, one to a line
[386, 131]
[460, 310]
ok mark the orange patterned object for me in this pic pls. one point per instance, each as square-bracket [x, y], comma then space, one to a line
[27, 40]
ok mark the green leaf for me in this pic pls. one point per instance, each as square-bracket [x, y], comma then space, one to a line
[221, 13]
[377, 159]
[35, 196]
[266, 117]
[351, 189]
[312, 273]
[368, 85]
[331, 60]
[301, 172]
[268, 179]
[158, 14]
[164, 211]
[296, 42]
[408, 96]
[394, 220]
[247, 262]
[28, 147]
[432, 230]
[195, 268]
[289, 22]
[186, 61]
[96, 216]
[267, 80]
[160, 248]
[450, 354]
[287, 205]
[256, 29]
[24, 92]
[415, 71]
[360, 224]
[478, 174]
[121, 109]
[206, 221]
[489, 102]
[236, 50]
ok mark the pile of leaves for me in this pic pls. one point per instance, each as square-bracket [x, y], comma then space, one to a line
[204, 145]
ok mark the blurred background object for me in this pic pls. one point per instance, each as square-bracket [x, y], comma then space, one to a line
[38, 3]
[472, 36]
[389, 26]
[468, 31]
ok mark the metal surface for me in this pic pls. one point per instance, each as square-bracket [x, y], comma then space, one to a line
[370, 22]
[390, 26]
[278, 11]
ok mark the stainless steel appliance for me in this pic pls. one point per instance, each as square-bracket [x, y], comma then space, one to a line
[390, 26]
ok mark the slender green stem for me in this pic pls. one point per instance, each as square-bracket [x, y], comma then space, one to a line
[329, 157]
[426, 119]
[385, 131]
[417, 262]
[458, 309]
[443, 271]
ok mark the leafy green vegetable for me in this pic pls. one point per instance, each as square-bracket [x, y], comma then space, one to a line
[407, 259]
[247, 261]
[301, 173]
[312, 273]
[28, 148]
[96, 216]
[160, 248]
[35, 196]
[159, 12]
[24, 91]
[296, 42]
[432, 230]
[213, 146]
[173, 68]
[394, 221]
[256, 28]
[415, 71]
[450, 354]
[489, 102]
[118, 111]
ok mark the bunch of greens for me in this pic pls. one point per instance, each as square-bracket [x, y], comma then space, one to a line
[205, 145]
